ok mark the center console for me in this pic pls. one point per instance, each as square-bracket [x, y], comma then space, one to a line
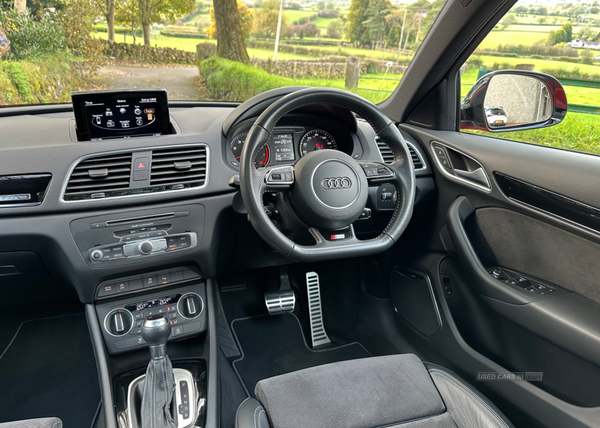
[124, 239]
[121, 321]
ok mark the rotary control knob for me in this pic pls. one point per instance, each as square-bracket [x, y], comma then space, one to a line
[97, 255]
[145, 247]
[190, 305]
[118, 322]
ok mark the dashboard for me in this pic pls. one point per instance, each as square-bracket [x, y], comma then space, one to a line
[97, 210]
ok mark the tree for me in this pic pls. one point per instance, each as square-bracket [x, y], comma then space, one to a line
[376, 19]
[586, 33]
[230, 36]
[321, 5]
[508, 20]
[265, 19]
[568, 27]
[355, 28]
[21, 6]
[335, 28]
[245, 18]
[154, 10]
[560, 36]
[108, 9]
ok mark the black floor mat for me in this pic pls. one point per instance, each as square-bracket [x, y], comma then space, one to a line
[49, 370]
[275, 345]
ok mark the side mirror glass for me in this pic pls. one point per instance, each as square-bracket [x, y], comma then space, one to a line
[510, 100]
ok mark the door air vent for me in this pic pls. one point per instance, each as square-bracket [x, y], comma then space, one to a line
[178, 168]
[388, 156]
[99, 177]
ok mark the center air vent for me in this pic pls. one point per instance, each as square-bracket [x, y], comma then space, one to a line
[99, 177]
[178, 168]
[388, 156]
[115, 175]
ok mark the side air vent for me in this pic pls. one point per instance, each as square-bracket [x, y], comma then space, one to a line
[384, 150]
[179, 168]
[388, 156]
[100, 177]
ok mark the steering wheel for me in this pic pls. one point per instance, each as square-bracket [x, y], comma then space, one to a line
[328, 188]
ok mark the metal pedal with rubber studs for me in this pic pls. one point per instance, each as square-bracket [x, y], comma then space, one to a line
[318, 334]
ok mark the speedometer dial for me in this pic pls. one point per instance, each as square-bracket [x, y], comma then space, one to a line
[317, 139]
[262, 158]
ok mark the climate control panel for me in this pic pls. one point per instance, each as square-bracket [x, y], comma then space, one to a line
[147, 245]
[122, 321]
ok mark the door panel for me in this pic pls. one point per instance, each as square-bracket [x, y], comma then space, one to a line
[551, 245]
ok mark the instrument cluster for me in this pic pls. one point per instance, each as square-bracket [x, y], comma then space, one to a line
[293, 139]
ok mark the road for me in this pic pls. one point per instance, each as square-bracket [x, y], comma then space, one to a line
[180, 82]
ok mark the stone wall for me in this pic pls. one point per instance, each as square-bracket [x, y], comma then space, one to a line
[127, 52]
[327, 68]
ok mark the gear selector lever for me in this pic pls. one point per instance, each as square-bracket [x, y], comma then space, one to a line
[159, 385]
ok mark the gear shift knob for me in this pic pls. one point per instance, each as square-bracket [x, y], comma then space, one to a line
[155, 332]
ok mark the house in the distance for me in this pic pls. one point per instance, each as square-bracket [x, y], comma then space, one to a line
[582, 43]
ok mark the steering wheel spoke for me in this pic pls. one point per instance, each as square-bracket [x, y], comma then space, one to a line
[276, 178]
[377, 173]
[334, 238]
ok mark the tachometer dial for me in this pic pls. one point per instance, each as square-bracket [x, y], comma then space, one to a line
[317, 139]
[262, 158]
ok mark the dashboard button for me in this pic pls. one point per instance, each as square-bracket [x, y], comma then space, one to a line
[122, 286]
[164, 278]
[149, 281]
[184, 241]
[172, 243]
[135, 284]
[106, 290]
[176, 276]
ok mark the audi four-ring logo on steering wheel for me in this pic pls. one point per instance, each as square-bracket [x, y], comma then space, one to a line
[336, 183]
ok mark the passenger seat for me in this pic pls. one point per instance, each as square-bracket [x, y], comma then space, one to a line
[34, 423]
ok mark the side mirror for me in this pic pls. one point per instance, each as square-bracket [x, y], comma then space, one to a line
[513, 100]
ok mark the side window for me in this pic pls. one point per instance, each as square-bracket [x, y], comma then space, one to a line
[559, 39]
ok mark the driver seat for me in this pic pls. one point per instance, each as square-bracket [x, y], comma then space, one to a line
[397, 391]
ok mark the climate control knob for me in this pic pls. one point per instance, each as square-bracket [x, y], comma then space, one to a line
[190, 305]
[118, 322]
[145, 247]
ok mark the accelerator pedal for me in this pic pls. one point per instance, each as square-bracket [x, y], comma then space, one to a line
[318, 334]
[283, 300]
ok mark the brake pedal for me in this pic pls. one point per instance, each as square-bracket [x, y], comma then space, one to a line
[280, 302]
[283, 300]
[318, 334]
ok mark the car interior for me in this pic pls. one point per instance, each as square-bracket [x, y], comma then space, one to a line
[302, 259]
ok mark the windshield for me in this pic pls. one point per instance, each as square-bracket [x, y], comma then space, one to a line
[227, 51]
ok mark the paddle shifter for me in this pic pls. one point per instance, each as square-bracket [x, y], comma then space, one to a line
[159, 384]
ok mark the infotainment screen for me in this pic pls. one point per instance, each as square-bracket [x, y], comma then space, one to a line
[101, 115]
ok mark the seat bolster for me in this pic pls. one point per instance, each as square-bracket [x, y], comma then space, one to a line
[250, 414]
[34, 423]
[468, 407]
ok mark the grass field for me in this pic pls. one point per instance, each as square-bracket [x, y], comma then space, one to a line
[507, 37]
[580, 132]
[295, 15]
